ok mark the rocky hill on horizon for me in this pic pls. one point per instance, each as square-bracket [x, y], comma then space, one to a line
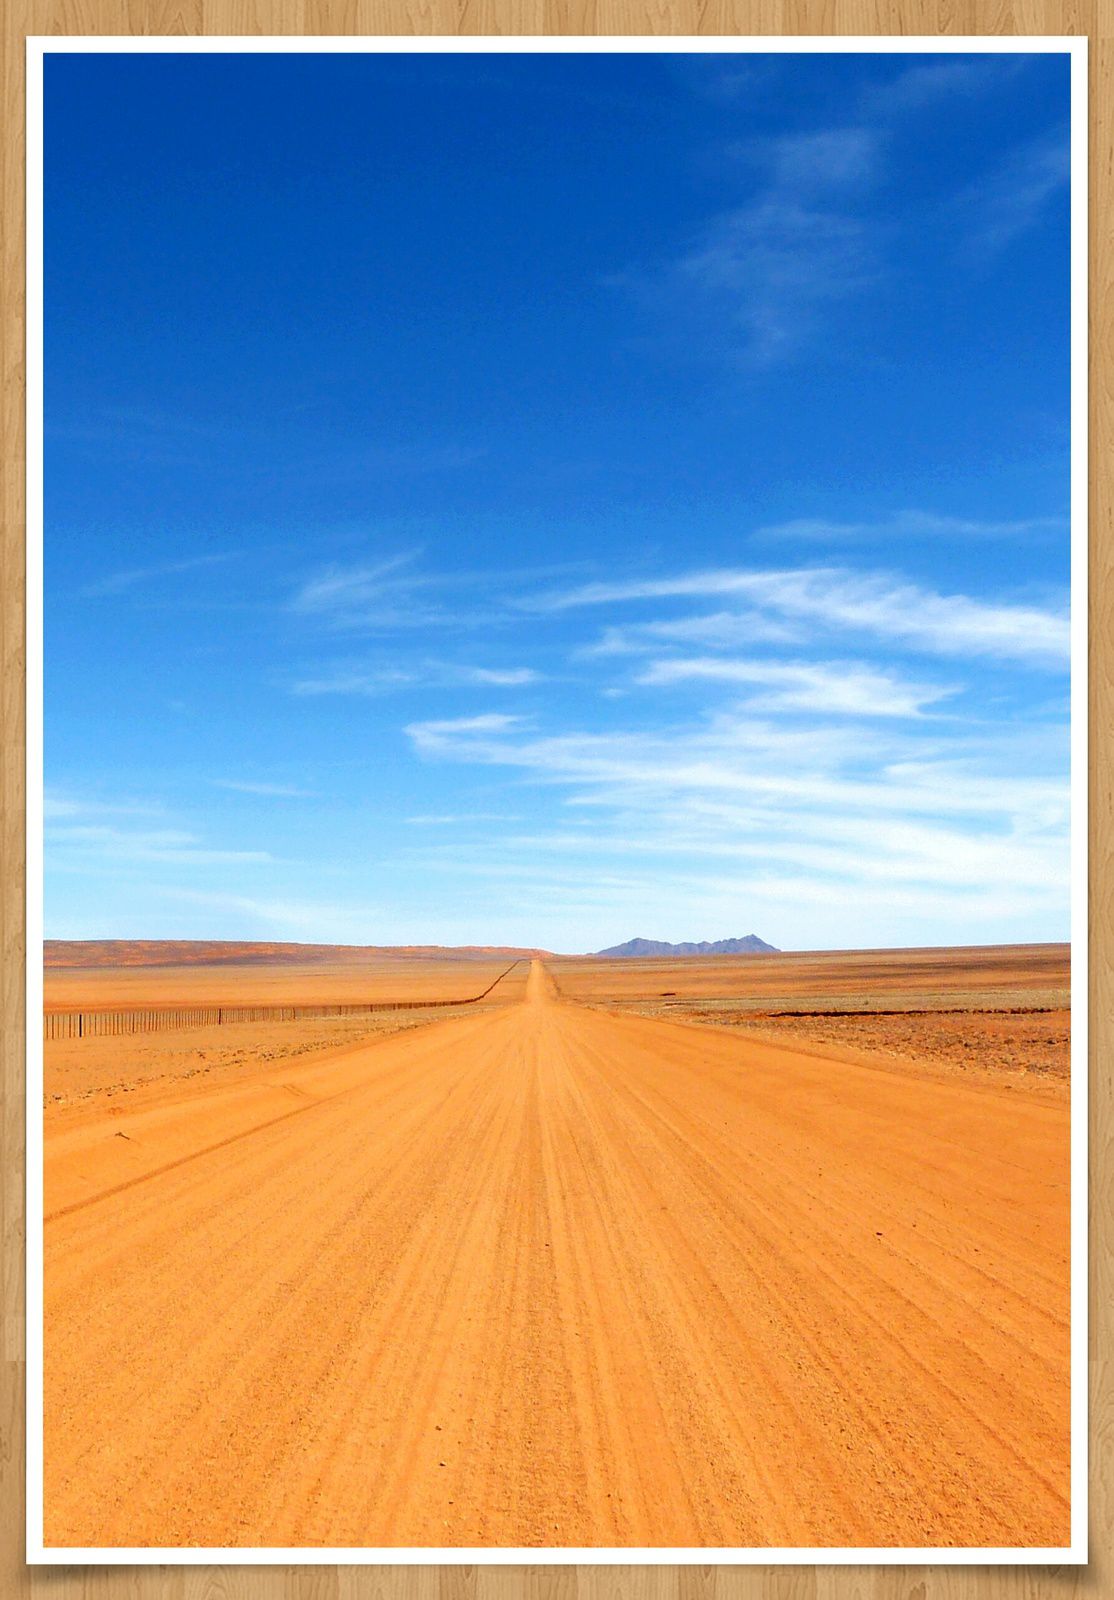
[749, 945]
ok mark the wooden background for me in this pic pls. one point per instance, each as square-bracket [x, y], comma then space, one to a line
[1094, 18]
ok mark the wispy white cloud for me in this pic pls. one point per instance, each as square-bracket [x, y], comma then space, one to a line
[314, 920]
[872, 604]
[731, 754]
[927, 83]
[98, 843]
[83, 833]
[379, 680]
[878, 852]
[135, 577]
[766, 272]
[453, 819]
[765, 279]
[912, 525]
[396, 595]
[822, 161]
[373, 681]
[439, 735]
[279, 791]
[761, 278]
[792, 820]
[497, 677]
[724, 79]
[836, 688]
[58, 804]
[344, 590]
[1013, 198]
[717, 630]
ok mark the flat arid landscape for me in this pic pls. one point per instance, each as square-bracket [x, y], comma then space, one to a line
[536, 1251]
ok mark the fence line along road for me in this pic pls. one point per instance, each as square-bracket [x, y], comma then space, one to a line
[99, 1024]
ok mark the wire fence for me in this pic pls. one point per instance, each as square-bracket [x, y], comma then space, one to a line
[99, 1024]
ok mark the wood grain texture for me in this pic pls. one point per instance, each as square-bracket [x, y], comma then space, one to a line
[1094, 18]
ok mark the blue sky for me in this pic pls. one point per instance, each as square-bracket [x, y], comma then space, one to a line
[547, 499]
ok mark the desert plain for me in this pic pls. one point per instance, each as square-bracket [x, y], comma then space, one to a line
[749, 1252]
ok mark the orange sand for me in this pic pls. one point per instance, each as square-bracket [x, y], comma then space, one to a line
[544, 1274]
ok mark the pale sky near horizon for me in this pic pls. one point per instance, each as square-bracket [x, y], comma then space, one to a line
[551, 499]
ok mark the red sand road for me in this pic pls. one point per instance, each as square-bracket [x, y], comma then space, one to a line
[549, 1276]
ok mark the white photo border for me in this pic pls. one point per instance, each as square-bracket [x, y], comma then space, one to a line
[1074, 1554]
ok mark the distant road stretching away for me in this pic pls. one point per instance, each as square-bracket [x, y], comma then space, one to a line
[550, 1276]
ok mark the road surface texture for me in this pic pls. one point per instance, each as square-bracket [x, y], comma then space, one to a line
[549, 1276]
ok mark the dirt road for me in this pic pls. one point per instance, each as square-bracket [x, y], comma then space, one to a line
[548, 1276]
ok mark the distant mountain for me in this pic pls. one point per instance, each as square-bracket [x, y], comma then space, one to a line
[751, 945]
